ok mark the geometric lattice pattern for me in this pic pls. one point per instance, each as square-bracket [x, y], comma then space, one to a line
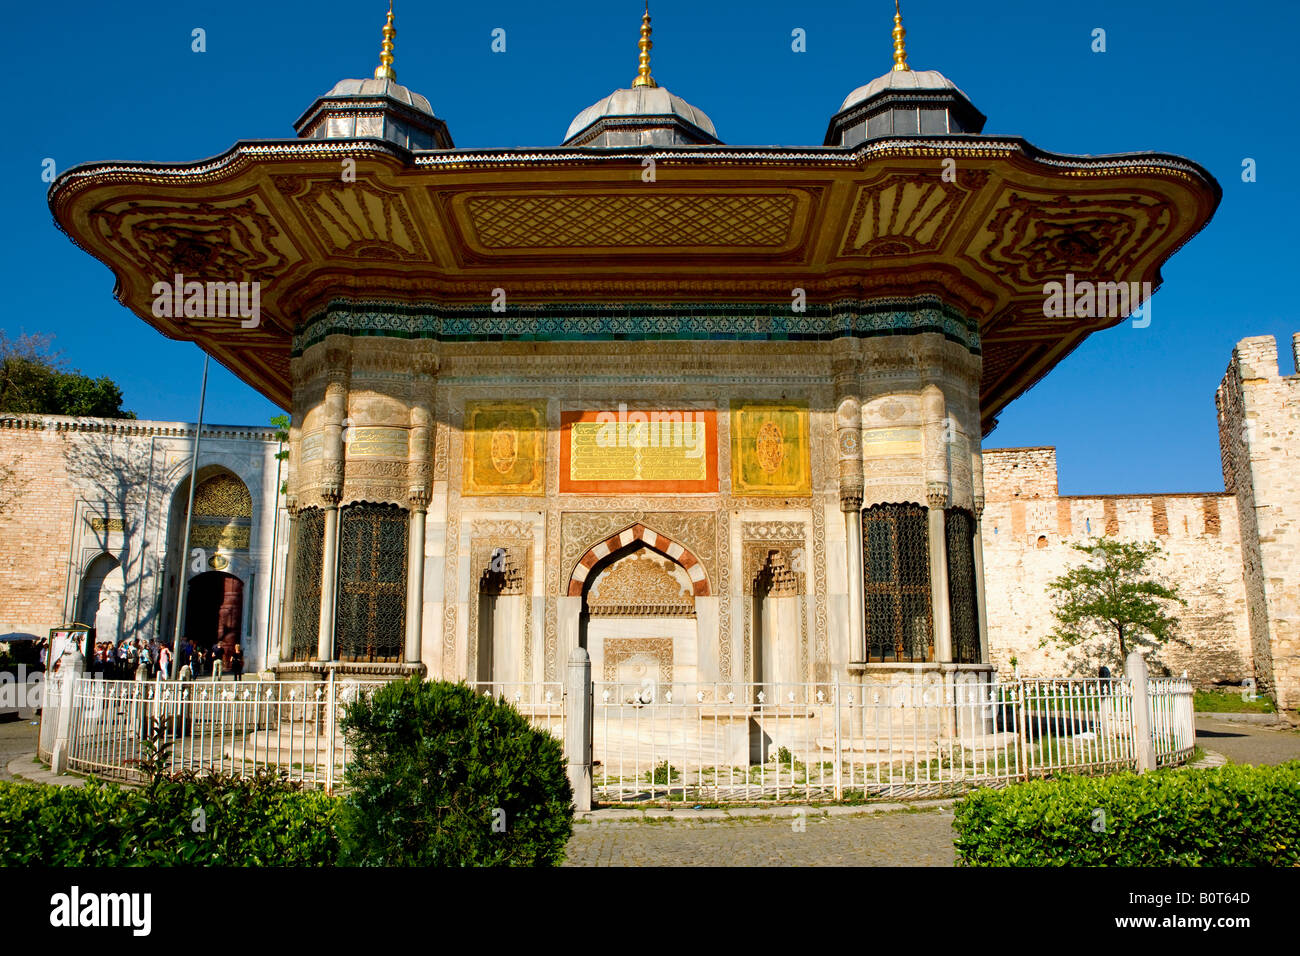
[959, 527]
[370, 623]
[631, 220]
[896, 581]
[308, 552]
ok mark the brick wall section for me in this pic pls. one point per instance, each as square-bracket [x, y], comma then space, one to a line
[1203, 558]
[36, 529]
[1259, 433]
[1021, 472]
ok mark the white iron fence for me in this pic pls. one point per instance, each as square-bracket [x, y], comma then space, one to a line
[722, 742]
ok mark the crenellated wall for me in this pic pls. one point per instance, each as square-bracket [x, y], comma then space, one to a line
[1259, 436]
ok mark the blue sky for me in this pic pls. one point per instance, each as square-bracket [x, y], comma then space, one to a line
[1130, 411]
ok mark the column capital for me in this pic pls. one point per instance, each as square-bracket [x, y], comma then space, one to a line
[936, 494]
[850, 499]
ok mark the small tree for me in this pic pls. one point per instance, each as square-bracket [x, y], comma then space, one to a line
[440, 775]
[1112, 602]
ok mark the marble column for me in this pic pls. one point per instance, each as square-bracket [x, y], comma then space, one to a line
[415, 578]
[419, 472]
[937, 499]
[978, 546]
[286, 589]
[328, 579]
[848, 435]
[937, 440]
[852, 508]
[338, 379]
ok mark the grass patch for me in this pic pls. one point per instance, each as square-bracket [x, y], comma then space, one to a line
[1231, 702]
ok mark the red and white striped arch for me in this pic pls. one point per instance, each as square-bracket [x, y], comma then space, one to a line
[652, 539]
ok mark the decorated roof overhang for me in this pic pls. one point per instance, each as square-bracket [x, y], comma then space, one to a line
[716, 224]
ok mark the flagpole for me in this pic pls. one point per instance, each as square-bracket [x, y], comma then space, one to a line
[189, 517]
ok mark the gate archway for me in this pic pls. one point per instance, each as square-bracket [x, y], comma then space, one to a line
[214, 609]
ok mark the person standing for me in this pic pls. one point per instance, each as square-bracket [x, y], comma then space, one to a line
[237, 663]
[165, 661]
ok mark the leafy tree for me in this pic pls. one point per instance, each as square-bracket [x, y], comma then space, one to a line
[281, 425]
[35, 380]
[1112, 602]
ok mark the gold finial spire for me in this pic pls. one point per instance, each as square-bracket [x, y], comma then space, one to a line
[384, 71]
[900, 52]
[643, 77]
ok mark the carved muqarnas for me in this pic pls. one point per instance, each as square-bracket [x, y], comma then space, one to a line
[643, 586]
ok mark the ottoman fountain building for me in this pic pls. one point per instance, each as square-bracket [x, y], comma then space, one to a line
[712, 412]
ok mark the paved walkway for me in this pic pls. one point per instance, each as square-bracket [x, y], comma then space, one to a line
[1243, 742]
[899, 838]
[17, 738]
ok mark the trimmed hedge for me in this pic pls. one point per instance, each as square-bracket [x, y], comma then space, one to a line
[256, 821]
[1229, 816]
[442, 776]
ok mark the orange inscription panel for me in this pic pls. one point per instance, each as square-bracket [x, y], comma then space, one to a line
[642, 451]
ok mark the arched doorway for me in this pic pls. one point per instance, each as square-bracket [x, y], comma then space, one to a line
[214, 610]
[220, 539]
[101, 598]
[639, 624]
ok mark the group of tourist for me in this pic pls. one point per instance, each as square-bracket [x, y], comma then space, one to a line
[144, 660]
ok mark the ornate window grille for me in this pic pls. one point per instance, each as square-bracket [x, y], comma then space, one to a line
[309, 547]
[370, 622]
[959, 527]
[896, 579]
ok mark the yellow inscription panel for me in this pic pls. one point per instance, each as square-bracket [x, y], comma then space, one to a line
[769, 448]
[373, 442]
[881, 442]
[604, 452]
[505, 450]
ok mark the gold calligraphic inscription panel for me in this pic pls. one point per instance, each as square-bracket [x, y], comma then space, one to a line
[505, 448]
[370, 441]
[637, 452]
[883, 442]
[770, 449]
[660, 451]
[230, 537]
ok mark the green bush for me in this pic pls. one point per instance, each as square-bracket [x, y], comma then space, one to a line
[257, 821]
[1229, 816]
[440, 775]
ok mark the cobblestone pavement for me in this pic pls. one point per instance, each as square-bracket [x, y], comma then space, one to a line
[1248, 743]
[922, 838]
[16, 737]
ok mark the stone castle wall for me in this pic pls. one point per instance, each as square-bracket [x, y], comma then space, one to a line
[36, 526]
[1028, 533]
[82, 489]
[1259, 434]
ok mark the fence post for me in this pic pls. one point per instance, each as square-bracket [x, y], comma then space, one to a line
[1021, 704]
[578, 727]
[331, 701]
[1144, 745]
[839, 745]
[72, 666]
